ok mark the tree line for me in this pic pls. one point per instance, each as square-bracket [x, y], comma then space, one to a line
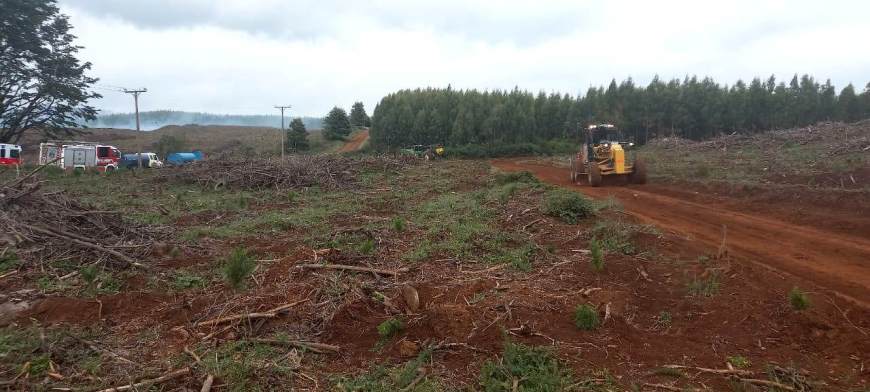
[692, 108]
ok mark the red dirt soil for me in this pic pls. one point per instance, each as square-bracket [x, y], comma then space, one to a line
[356, 142]
[834, 260]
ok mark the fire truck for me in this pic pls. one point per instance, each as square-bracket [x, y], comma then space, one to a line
[80, 155]
[10, 154]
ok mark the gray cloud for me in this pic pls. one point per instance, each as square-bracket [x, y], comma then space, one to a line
[312, 19]
[243, 56]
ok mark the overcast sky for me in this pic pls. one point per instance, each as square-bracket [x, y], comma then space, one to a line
[244, 56]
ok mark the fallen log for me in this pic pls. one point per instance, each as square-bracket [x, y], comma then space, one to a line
[320, 348]
[206, 385]
[153, 381]
[119, 255]
[272, 313]
[714, 371]
[353, 268]
[768, 383]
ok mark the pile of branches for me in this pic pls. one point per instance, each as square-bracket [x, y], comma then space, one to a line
[44, 226]
[293, 172]
[835, 138]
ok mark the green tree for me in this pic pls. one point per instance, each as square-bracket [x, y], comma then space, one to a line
[168, 144]
[336, 125]
[358, 116]
[297, 136]
[690, 107]
[848, 105]
[43, 84]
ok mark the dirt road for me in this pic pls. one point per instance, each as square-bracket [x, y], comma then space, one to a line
[835, 261]
[355, 142]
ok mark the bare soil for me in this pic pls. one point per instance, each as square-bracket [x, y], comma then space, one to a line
[470, 307]
[833, 251]
[356, 142]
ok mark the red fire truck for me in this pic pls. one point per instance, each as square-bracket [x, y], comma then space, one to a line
[10, 154]
[80, 155]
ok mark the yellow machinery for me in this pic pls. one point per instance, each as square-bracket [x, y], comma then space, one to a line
[604, 155]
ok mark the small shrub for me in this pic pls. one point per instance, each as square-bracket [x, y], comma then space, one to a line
[664, 319]
[8, 260]
[597, 255]
[367, 246]
[390, 328]
[586, 317]
[89, 274]
[398, 224]
[617, 236]
[705, 287]
[798, 299]
[242, 201]
[567, 205]
[292, 196]
[739, 361]
[238, 267]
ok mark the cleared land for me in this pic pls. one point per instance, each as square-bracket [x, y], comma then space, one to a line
[390, 273]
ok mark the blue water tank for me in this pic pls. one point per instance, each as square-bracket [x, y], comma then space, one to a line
[180, 158]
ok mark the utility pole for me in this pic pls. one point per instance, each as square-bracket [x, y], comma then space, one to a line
[283, 134]
[135, 94]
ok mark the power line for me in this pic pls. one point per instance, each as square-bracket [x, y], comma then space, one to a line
[135, 94]
[283, 134]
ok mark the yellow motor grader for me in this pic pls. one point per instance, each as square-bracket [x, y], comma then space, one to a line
[603, 155]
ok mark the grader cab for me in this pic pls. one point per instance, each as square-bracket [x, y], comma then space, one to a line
[604, 155]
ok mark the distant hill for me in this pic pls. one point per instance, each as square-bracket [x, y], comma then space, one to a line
[159, 118]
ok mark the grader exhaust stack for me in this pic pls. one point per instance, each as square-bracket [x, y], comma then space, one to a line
[604, 155]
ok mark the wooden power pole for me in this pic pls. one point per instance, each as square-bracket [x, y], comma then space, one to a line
[283, 133]
[135, 94]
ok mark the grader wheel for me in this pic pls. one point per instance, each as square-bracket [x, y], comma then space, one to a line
[594, 175]
[573, 171]
[638, 175]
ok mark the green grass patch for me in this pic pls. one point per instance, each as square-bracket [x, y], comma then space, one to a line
[534, 369]
[618, 236]
[567, 205]
[246, 366]
[516, 177]
[185, 280]
[389, 379]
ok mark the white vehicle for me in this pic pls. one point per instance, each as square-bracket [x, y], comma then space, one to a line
[149, 160]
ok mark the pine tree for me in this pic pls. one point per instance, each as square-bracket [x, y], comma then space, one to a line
[336, 125]
[358, 116]
[848, 106]
[297, 136]
[689, 107]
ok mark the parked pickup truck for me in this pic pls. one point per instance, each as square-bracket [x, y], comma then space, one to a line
[149, 160]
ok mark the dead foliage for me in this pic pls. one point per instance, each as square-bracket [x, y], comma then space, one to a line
[837, 138]
[46, 226]
[293, 172]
